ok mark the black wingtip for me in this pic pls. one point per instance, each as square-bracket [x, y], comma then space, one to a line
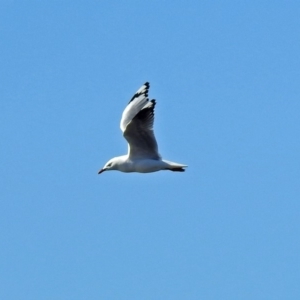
[145, 91]
[179, 169]
[147, 85]
[153, 106]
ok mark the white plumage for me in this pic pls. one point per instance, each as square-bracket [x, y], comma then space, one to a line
[137, 127]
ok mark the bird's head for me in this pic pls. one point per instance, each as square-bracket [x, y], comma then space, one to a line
[112, 164]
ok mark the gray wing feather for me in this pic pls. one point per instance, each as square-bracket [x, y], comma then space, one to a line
[139, 134]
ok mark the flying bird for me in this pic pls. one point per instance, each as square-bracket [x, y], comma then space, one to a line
[137, 127]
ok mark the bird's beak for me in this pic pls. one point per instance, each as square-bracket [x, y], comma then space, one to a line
[102, 170]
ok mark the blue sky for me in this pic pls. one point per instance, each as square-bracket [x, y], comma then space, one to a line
[225, 75]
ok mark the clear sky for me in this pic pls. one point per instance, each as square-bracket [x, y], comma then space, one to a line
[226, 77]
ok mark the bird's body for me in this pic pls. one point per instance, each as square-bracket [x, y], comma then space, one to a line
[137, 127]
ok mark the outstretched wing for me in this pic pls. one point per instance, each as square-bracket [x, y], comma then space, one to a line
[137, 125]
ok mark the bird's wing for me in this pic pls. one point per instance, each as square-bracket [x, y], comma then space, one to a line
[137, 126]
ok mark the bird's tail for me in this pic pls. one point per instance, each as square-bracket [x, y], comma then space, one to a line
[175, 167]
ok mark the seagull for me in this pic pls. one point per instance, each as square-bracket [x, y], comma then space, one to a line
[137, 127]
